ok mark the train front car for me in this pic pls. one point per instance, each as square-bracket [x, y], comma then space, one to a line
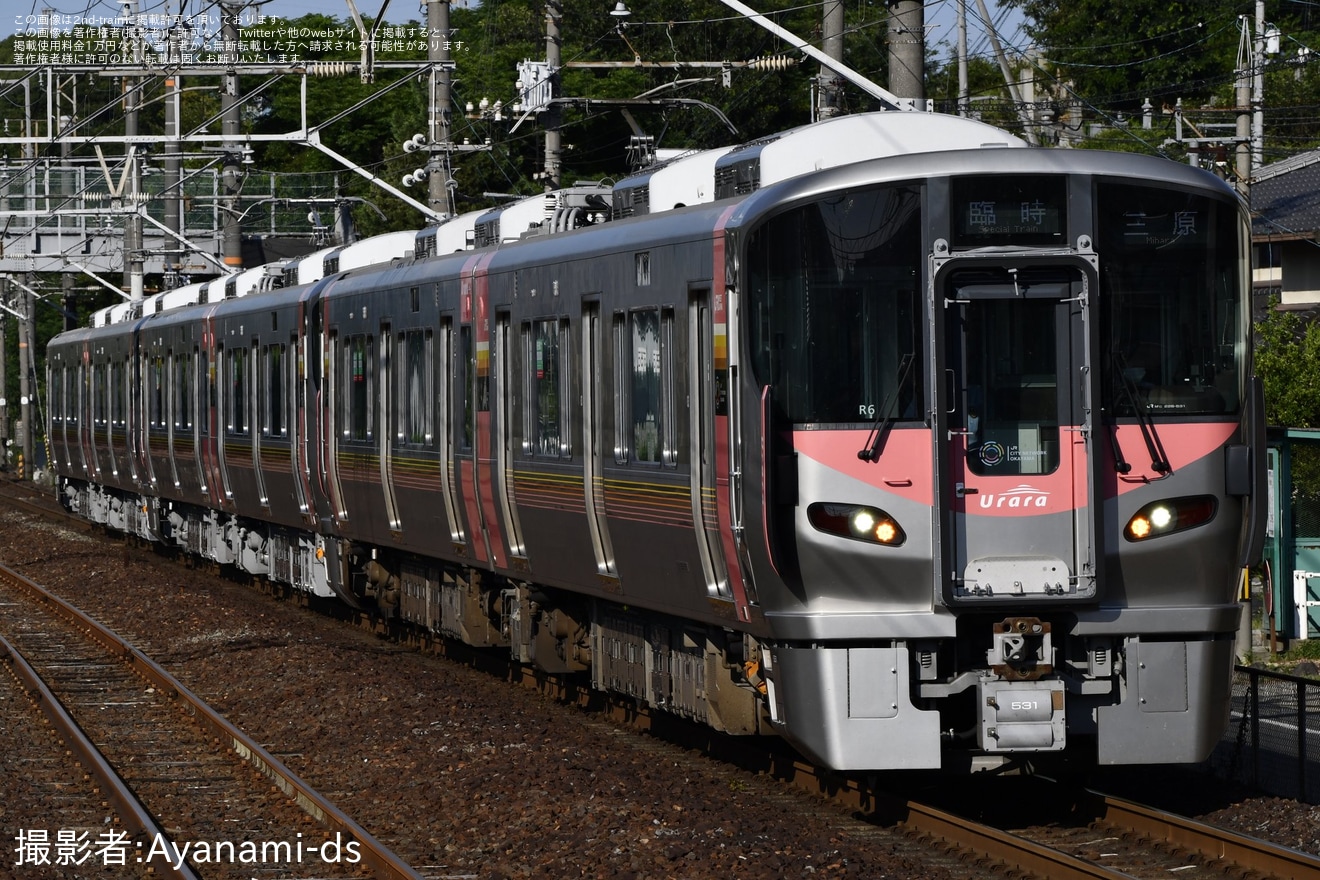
[1007, 455]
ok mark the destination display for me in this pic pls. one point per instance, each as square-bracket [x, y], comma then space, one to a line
[1011, 210]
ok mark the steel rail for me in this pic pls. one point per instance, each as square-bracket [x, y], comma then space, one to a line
[375, 855]
[137, 818]
[1016, 852]
[969, 836]
[1215, 843]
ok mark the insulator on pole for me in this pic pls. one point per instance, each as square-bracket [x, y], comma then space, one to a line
[774, 62]
[331, 68]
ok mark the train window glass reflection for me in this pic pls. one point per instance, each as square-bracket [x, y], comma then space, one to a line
[156, 392]
[1171, 278]
[646, 399]
[98, 394]
[358, 398]
[182, 392]
[274, 376]
[622, 387]
[117, 393]
[238, 391]
[79, 378]
[835, 303]
[668, 443]
[413, 391]
[545, 373]
[57, 395]
[205, 395]
[464, 373]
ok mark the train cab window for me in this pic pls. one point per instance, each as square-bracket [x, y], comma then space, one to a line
[835, 303]
[359, 357]
[545, 417]
[1172, 302]
[414, 400]
[237, 402]
[273, 404]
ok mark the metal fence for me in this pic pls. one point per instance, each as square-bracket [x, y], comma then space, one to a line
[1273, 740]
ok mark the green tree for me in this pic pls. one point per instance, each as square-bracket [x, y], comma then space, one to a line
[1288, 362]
[1116, 53]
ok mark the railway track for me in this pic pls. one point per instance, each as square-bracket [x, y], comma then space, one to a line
[1089, 837]
[163, 758]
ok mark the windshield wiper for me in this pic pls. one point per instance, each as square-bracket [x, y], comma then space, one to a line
[1159, 461]
[883, 418]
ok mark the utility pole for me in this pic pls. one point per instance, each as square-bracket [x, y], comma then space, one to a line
[829, 88]
[1242, 97]
[4, 380]
[964, 91]
[437, 52]
[132, 218]
[67, 189]
[1010, 81]
[553, 116]
[230, 175]
[24, 385]
[907, 52]
[1258, 91]
[173, 160]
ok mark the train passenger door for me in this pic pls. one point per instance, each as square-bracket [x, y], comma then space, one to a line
[593, 441]
[388, 427]
[702, 446]
[444, 357]
[504, 378]
[1015, 427]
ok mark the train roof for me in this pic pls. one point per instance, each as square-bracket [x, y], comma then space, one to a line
[909, 143]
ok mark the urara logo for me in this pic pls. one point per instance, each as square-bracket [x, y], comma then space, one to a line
[1019, 496]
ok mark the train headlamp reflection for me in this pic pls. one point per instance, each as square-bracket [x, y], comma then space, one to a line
[1169, 516]
[856, 521]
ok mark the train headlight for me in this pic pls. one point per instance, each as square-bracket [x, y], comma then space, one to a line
[856, 521]
[1169, 516]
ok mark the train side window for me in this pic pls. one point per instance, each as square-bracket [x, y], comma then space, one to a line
[464, 376]
[358, 399]
[622, 383]
[566, 374]
[238, 388]
[116, 393]
[201, 392]
[57, 395]
[98, 395]
[79, 378]
[183, 389]
[669, 421]
[545, 416]
[647, 413]
[413, 398]
[274, 377]
[156, 392]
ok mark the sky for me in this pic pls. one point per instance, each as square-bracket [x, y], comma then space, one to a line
[941, 15]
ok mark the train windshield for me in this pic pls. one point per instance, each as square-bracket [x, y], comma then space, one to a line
[835, 304]
[1171, 280]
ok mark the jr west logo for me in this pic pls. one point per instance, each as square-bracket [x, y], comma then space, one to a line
[1019, 496]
